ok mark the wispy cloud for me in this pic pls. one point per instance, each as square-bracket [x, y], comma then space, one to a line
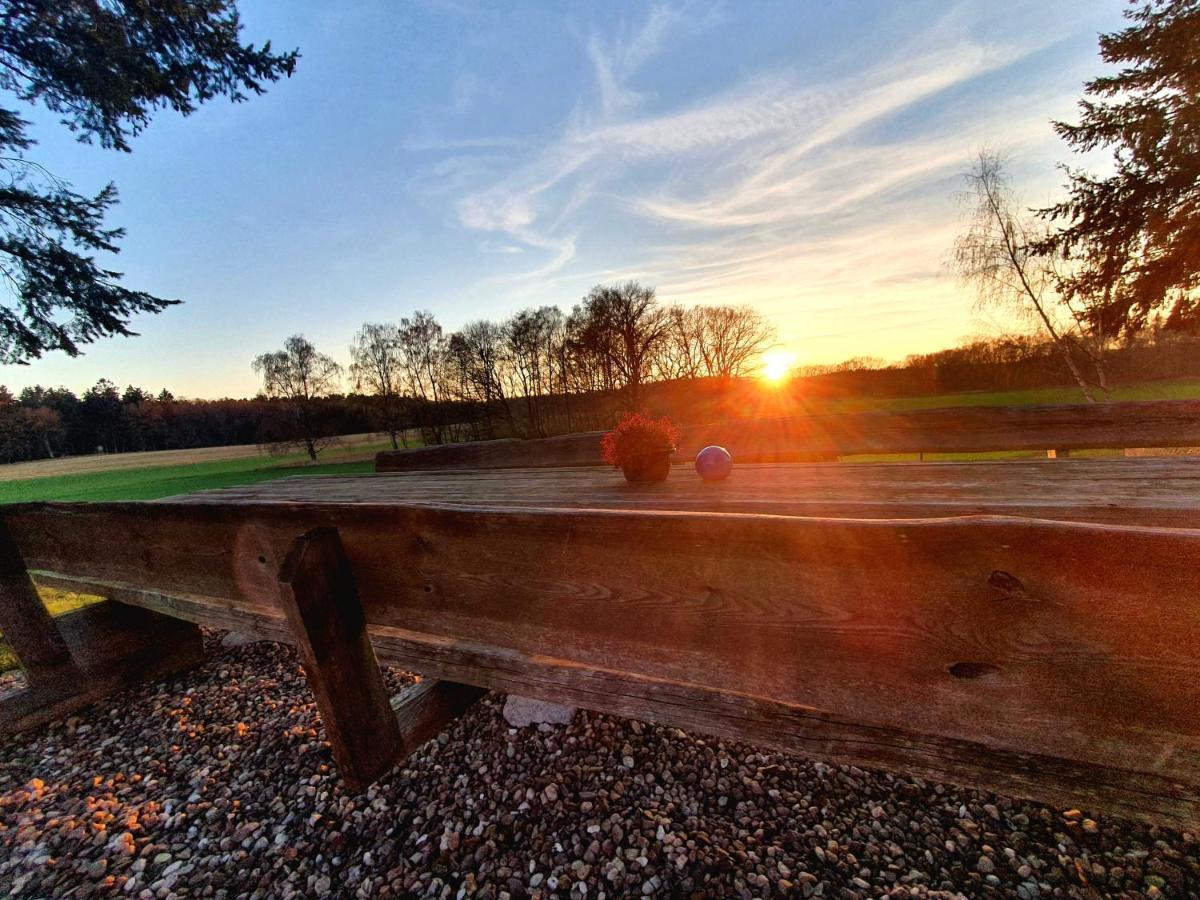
[792, 192]
[615, 62]
[501, 248]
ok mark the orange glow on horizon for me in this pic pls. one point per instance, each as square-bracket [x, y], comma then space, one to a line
[777, 366]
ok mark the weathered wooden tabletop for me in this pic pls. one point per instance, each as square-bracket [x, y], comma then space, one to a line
[1163, 491]
[858, 613]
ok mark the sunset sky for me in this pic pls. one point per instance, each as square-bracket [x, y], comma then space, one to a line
[477, 158]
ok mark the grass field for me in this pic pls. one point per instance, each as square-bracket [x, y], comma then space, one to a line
[348, 448]
[172, 472]
[1176, 389]
[1180, 389]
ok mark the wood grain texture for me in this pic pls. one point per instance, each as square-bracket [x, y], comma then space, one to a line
[319, 600]
[1066, 642]
[962, 429]
[1136, 794]
[1145, 491]
[113, 646]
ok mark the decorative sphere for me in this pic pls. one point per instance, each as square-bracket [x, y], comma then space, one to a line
[714, 463]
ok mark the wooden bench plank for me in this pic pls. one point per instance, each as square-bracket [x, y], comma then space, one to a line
[423, 710]
[1143, 491]
[368, 734]
[581, 449]
[87, 654]
[1071, 644]
[1140, 795]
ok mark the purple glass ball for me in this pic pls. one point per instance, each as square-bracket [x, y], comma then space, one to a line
[714, 463]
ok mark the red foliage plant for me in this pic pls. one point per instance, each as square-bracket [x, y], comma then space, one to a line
[637, 436]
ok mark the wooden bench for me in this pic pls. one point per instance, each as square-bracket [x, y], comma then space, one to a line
[960, 429]
[1050, 657]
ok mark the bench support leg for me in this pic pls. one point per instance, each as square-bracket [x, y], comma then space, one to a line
[85, 655]
[425, 708]
[367, 732]
[316, 588]
[27, 626]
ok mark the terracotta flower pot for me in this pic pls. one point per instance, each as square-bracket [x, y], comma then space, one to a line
[648, 468]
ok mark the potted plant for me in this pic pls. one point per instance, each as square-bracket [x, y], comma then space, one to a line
[641, 447]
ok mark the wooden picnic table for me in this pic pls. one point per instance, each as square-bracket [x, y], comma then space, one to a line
[1029, 627]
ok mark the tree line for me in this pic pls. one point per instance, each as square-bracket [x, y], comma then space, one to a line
[43, 423]
[40, 423]
[539, 372]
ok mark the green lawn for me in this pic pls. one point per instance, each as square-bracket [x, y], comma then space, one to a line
[165, 481]
[1179, 389]
[1176, 389]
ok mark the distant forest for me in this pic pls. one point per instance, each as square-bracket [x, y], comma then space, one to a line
[40, 423]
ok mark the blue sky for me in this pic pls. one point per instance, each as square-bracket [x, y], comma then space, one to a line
[476, 158]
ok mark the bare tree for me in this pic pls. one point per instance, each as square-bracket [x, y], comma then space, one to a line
[679, 355]
[532, 338]
[479, 357]
[995, 253]
[299, 376]
[628, 327]
[559, 362]
[377, 367]
[590, 344]
[423, 349]
[731, 339]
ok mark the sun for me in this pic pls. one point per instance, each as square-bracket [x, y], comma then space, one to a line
[777, 366]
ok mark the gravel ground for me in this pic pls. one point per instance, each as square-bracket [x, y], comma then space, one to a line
[220, 783]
